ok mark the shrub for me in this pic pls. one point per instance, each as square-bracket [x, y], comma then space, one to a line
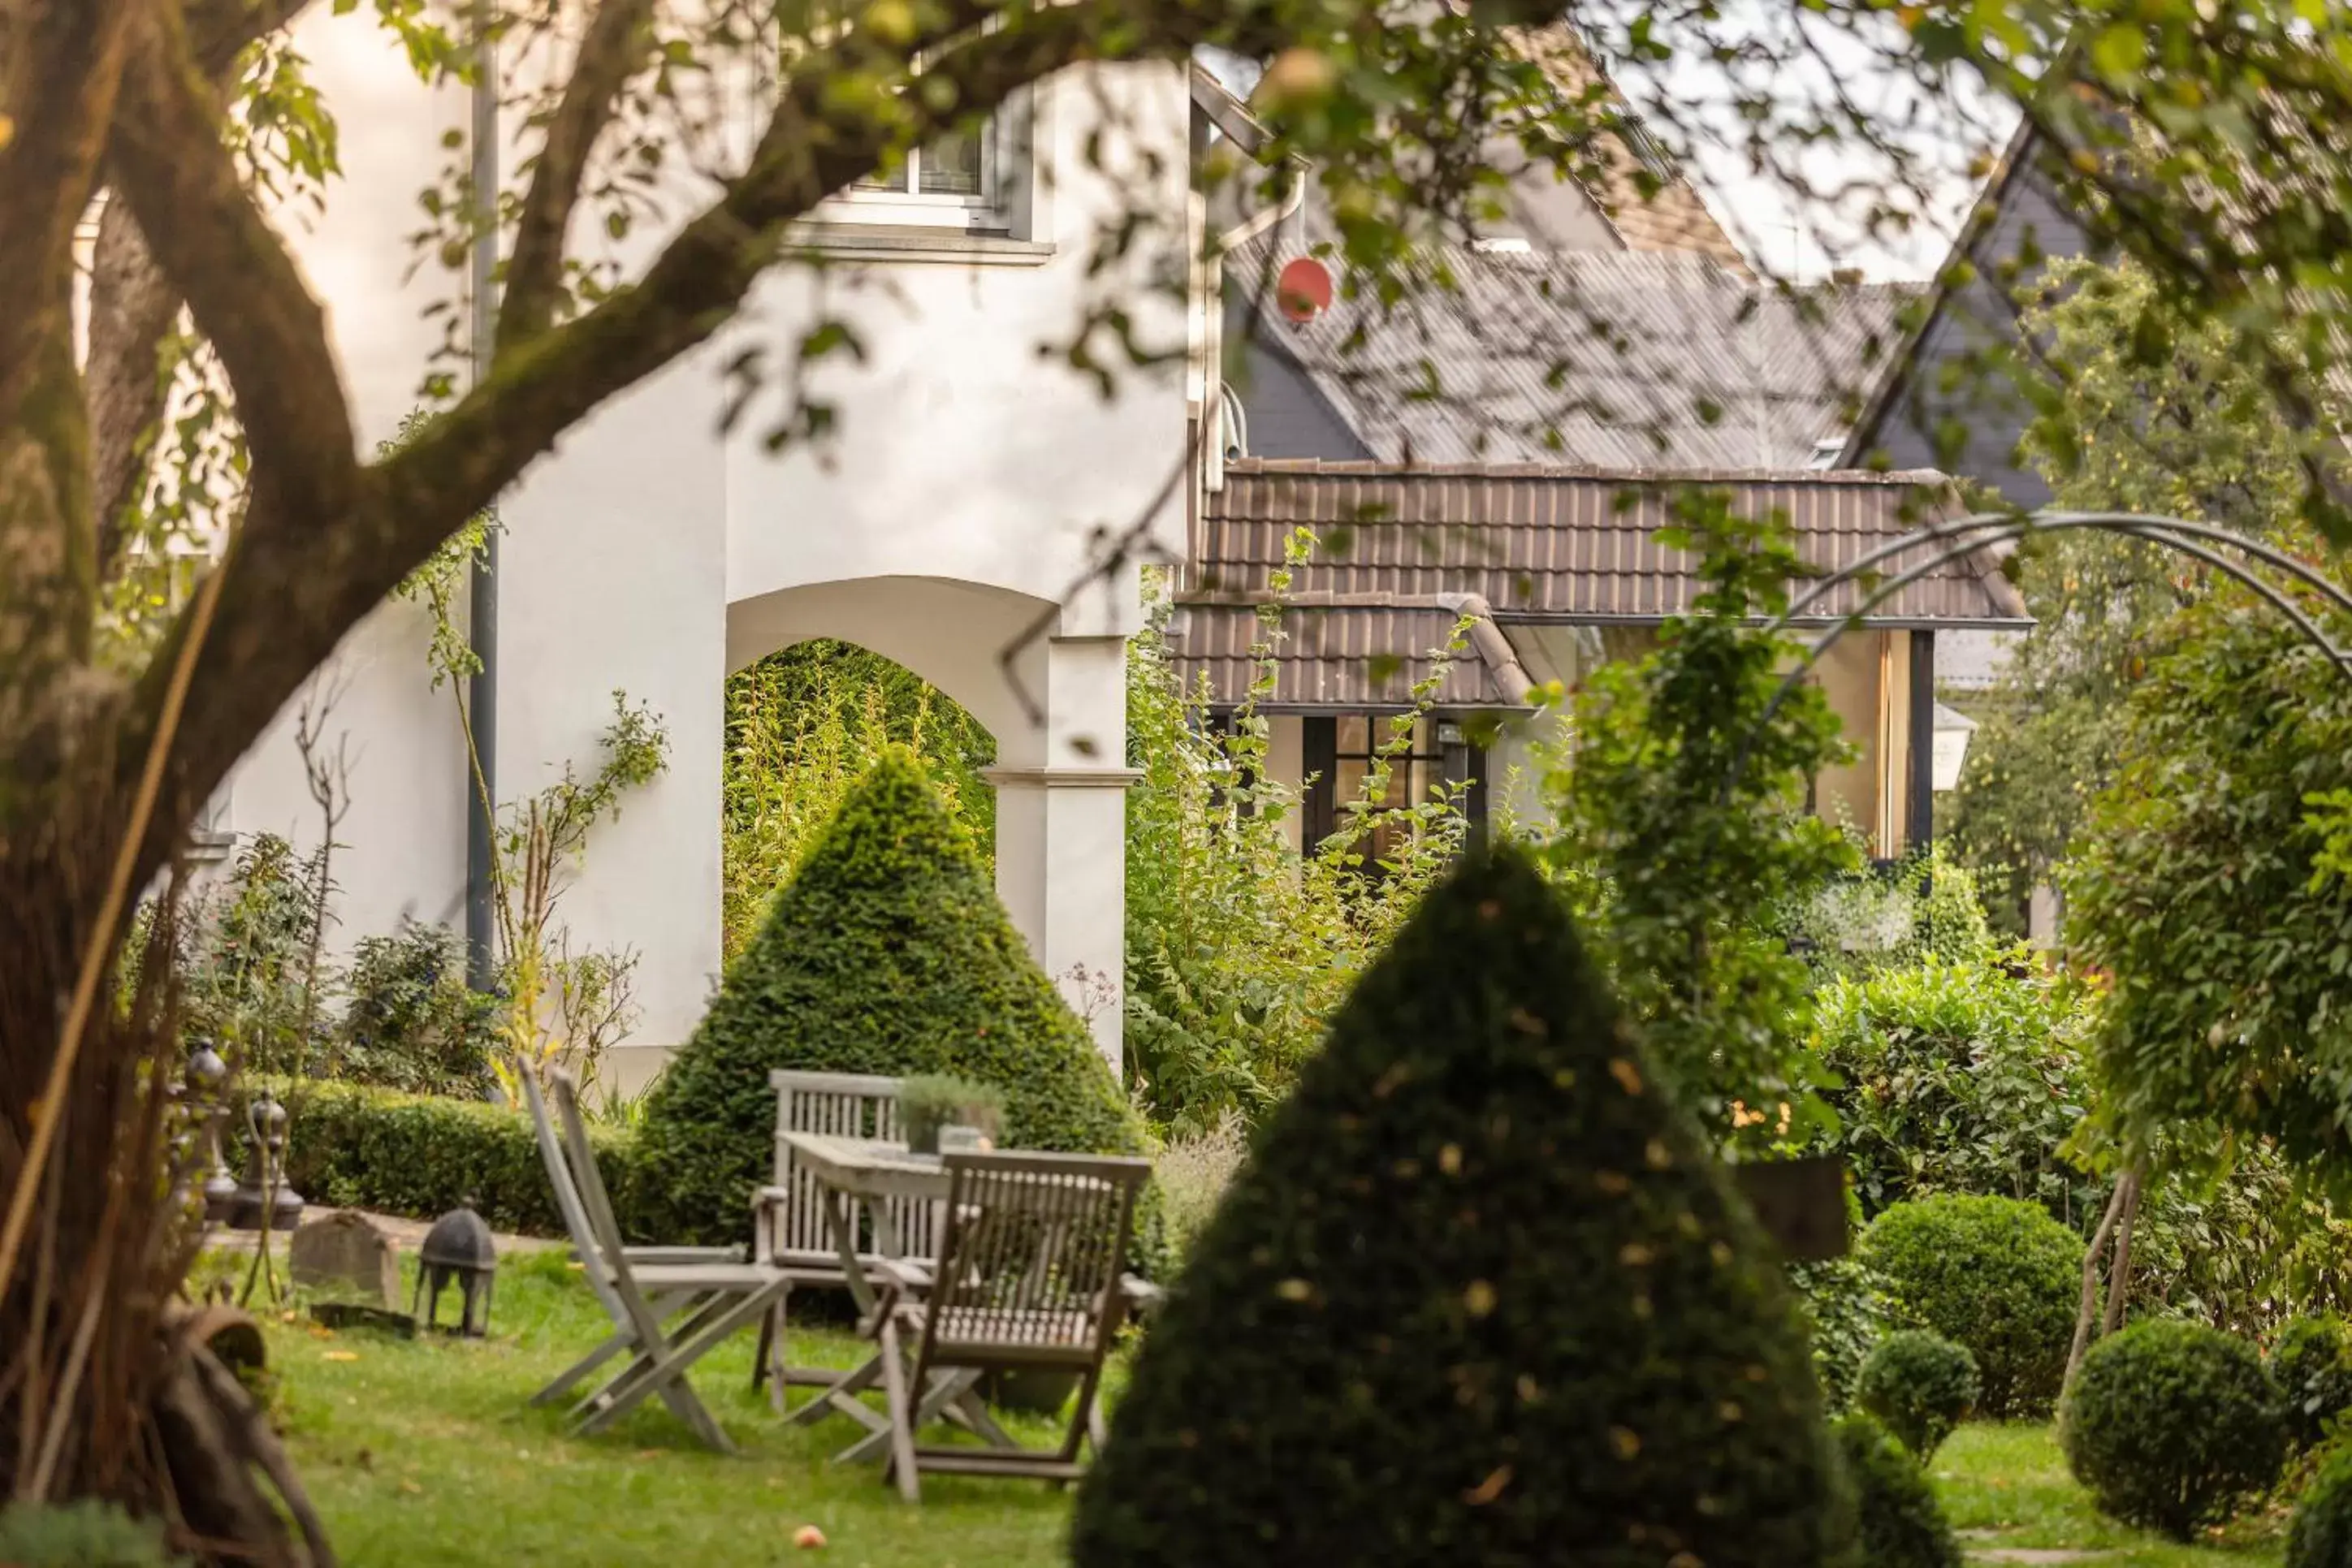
[84, 1535]
[414, 1155]
[1192, 1172]
[1240, 948]
[412, 1022]
[2311, 1365]
[887, 953]
[2321, 1533]
[1898, 1523]
[1996, 1275]
[1959, 1077]
[1847, 1312]
[2169, 1423]
[1919, 1386]
[1480, 1293]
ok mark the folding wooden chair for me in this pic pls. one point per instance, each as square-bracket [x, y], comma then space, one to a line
[791, 1232]
[575, 1222]
[709, 1301]
[1028, 1277]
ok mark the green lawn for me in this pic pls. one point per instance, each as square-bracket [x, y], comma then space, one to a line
[426, 1452]
[2006, 1487]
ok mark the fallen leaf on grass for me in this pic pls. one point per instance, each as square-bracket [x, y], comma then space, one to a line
[340, 1356]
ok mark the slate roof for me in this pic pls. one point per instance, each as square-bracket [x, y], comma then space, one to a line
[1618, 360]
[1405, 554]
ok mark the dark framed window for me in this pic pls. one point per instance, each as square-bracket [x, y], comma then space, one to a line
[1340, 752]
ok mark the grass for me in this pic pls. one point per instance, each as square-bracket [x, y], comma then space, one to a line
[2008, 1487]
[428, 1452]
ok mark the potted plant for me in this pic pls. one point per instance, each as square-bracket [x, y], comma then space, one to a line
[927, 1104]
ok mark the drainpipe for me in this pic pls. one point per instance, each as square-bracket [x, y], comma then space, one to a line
[482, 607]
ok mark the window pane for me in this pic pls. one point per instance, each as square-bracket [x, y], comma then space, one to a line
[951, 165]
[1355, 732]
[891, 177]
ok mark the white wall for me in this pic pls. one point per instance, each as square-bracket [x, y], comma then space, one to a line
[969, 491]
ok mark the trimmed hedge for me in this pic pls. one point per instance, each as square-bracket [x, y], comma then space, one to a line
[1919, 1385]
[887, 953]
[415, 1154]
[2171, 1424]
[1898, 1522]
[1481, 1295]
[2313, 1364]
[1996, 1275]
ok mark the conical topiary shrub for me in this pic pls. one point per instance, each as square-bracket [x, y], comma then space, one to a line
[887, 953]
[1480, 1295]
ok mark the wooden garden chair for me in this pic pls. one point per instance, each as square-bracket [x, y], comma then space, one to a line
[791, 1232]
[706, 1302]
[1028, 1278]
[575, 1222]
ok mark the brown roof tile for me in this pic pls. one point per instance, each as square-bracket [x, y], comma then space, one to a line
[1561, 545]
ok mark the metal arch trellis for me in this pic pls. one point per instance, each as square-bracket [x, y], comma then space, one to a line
[1961, 537]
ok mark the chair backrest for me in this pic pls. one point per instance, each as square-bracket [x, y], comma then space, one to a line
[601, 1248]
[567, 1191]
[1029, 1266]
[846, 1105]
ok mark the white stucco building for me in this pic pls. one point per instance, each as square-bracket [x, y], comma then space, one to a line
[955, 525]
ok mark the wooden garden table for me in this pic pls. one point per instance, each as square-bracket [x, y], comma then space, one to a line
[875, 1172]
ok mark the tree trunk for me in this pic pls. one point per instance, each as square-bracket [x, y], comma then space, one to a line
[2088, 1311]
[2119, 1274]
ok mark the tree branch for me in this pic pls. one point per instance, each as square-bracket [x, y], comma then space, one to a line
[132, 304]
[219, 30]
[132, 308]
[619, 35]
[249, 299]
[58, 89]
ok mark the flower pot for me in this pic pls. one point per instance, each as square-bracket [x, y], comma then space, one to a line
[923, 1125]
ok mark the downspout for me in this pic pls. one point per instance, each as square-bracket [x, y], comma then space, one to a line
[482, 606]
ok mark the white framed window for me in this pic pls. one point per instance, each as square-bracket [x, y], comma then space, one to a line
[968, 179]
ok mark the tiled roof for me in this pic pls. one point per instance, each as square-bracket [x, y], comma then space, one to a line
[1673, 217]
[1337, 658]
[1398, 548]
[1618, 360]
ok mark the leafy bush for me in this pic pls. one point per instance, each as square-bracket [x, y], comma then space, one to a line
[1920, 907]
[1239, 948]
[889, 952]
[1899, 1522]
[2311, 1365]
[84, 1535]
[413, 1154]
[1192, 1171]
[410, 1022]
[1679, 825]
[1847, 1312]
[1994, 1274]
[2169, 1425]
[1481, 1295]
[1959, 1077]
[2321, 1533]
[1919, 1385]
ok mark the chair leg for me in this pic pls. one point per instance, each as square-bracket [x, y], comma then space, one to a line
[622, 1341]
[759, 1353]
[777, 1361]
[902, 1417]
[665, 1372]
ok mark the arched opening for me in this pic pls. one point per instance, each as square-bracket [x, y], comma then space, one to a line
[803, 725]
[1045, 687]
